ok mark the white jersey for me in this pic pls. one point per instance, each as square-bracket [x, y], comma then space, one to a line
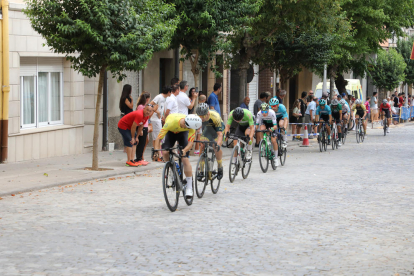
[269, 119]
[345, 109]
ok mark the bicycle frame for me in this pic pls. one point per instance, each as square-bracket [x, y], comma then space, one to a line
[240, 142]
[267, 137]
[207, 146]
[171, 160]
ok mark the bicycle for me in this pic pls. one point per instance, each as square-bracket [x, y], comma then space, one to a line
[282, 151]
[265, 151]
[334, 136]
[173, 181]
[344, 132]
[359, 131]
[209, 170]
[385, 124]
[229, 142]
[241, 161]
[323, 137]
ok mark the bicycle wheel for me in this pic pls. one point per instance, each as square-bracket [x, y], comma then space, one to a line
[344, 133]
[283, 156]
[385, 127]
[169, 187]
[200, 184]
[246, 168]
[214, 182]
[333, 138]
[189, 201]
[263, 159]
[325, 139]
[233, 167]
[351, 124]
[357, 132]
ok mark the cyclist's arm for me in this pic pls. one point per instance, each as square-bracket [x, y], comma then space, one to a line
[220, 138]
[251, 135]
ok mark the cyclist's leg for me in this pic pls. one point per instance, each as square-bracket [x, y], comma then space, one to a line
[169, 142]
[282, 124]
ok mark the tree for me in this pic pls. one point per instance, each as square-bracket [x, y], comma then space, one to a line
[372, 23]
[387, 71]
[201, 22]
[266, 21]
[404, 47]
[100, 35]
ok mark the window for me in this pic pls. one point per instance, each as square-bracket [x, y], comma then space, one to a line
[41, 82]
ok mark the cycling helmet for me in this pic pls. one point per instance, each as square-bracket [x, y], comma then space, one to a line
[342, 102]
[238, 114]
[322, 102]
[264, 107]
[358, 101]
[274, 101]
[193, 121]
[202, 109]
[384, 101]
[334, 102]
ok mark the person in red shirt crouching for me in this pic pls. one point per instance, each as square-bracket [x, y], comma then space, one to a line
[386, 108]
[128, 125]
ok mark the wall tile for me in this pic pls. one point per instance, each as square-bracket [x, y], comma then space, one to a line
[12, 43]
[40, 42]
[14, 76]
[79, 140]
[66, 63]
[67, 103]
[15, 92]
[67, 88]
[26, 28]
[90, 87]
[51, 141]
[77, 103]
[36, 146]
[77, 77]
[21, 44]
[78, 88]
[65, 142]
[72, 141]
[67, 117]
[89, 115]
[89, 101]
[27, 147]
[11, 151]
[58, 142]
[14, 125]
[33, 44]
[67, 75]
[77, 118]
[88, 134]
[43, 144]
[14, 109]
[19, 149]
[14, 27]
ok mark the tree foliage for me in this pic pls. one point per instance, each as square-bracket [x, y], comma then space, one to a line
[404, 47]
[387, 70]
[100, 35]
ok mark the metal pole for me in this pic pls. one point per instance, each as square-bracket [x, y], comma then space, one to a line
[324, 89]
[105, 113]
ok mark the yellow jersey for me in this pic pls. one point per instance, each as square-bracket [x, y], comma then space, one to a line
[172, 124]
[359, 108]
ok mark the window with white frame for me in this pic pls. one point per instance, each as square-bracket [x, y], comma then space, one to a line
[41, 84]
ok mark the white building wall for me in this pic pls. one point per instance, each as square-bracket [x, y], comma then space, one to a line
[254, 88]
[189, 77]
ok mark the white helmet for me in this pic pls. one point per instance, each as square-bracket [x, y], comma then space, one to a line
[358, 101]
[342, 101]
[193, 121]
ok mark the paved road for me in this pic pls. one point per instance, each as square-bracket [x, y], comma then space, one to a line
[343, 212]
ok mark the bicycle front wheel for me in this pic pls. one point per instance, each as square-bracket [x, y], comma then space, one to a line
[169, 187]
[385, 127]
[282, 156]
[233, 167]
[344, 132]
[333, 138]
[214, 182]
[325, 140]
[263, 159]
[357, 133]
[201, 176]
[320, 140]
[246, 168]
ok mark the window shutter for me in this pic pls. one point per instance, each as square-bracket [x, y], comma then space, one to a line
[47, 64]
[28, 66]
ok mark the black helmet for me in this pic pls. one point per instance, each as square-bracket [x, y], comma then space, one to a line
[238, 114]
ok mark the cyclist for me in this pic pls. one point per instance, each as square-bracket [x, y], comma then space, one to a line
[282, 117]
[180, 128]
[345, 112]
[212, 128]
[386, 108]
[245, 127]
[266, 119]
[336, 110]
[361, 112]
[324, 111]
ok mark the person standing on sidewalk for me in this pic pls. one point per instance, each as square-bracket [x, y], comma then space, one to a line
[128, 125]
[183, 101]
[143, 100]
[213, 100]
[256, 108]
[301, 119]
[126, 104]
[171, 105]
[159, 109]
[310, 115]
[295, 116]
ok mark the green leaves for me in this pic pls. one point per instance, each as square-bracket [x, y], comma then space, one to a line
[121, 35]
[404, 47]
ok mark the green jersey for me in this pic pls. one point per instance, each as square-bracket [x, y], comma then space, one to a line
[246, 121]
[336, 109]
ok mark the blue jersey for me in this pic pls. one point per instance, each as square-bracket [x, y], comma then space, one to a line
[281, 112]
[325, 111]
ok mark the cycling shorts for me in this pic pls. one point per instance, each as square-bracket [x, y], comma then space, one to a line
[171, 138]
[209, 133]
[360, 113]
[325, 118]
[387, 113]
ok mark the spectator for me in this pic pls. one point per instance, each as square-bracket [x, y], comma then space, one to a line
[325, 96]
[175, 81]
[280, 94]
[171, 102]
[310, 114]
[192, 96]
[301, 119]
[143, 100]
[310, 94]
[183, 102]
[367, 107]
[374, 107]
[202, 99]
[126, 104]
[400, 100]
[245, 103]
[396, 100]
[213, 100]
[159, 111]
[295, 117]
[269, 96]
[128, 125]
[256, 108]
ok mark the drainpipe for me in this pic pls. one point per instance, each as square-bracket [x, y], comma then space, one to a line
[5, 84]
[105, 113]
[1, 77]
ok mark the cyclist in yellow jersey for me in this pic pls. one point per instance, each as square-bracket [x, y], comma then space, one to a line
[180, 128]
[213, 127]
[361, 112]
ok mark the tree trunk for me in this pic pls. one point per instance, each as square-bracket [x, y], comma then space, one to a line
[341, 83]
[95, 163]
[332, 74]
[242, 85]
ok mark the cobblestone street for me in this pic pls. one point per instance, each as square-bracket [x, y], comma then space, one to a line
[342, 212]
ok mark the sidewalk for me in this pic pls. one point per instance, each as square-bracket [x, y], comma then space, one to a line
[57, 171]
